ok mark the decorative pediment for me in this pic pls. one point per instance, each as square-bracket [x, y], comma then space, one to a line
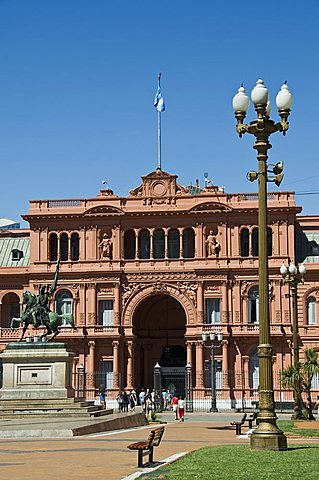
[104, 210]
[159, 186]
[210, 207]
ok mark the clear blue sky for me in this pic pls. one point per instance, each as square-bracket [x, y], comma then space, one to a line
[78, 78]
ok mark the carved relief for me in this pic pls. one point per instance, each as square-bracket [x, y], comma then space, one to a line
[105, 290]
[212, 288]
[244, 287]
[128, 290]
[82, 319]
[212, 245]
[160, 287]
[189, 289]
[134, 277]
[105, 247]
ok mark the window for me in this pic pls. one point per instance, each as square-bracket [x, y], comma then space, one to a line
[106, 312]
[75, 246]
[64, 304]
[255, 242]
[188, 243]
[53, 247]
[129, 245]
[218, 373]
[64, 247]
[213, 310]
[144, 244]
[16, 255]
[253, 305]
[269, 242]
[244, 242]
[173, 243]
[311, 311]
[106, 374]
[159, 243]
[253, 370]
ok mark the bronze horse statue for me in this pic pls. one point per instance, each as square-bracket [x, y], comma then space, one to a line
[52, 321]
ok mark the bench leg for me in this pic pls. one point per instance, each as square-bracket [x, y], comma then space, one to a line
[150, 457]
[140, 458]
[238, 429]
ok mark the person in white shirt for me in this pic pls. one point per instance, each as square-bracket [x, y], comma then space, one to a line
[181, 409]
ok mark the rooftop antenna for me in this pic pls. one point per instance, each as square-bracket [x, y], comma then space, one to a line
[160, 107]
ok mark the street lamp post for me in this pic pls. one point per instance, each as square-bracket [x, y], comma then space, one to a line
[213, 336]
[267, 435]
[293, 276]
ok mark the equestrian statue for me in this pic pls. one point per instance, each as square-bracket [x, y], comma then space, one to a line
[37, 311]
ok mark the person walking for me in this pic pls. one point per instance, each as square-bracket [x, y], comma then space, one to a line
[133, 400]
[181, 408]
[126, 401]
[175, 406]
[102, 395]
[141, 398]
[119, 400]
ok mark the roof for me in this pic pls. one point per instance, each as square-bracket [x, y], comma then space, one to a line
[7, 223]
[9, 244]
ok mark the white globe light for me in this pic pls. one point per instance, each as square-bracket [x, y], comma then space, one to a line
[292, 268]
[259, 94]
[302, 269]
[283, 269]
[268, 108]
[284, 98]
[241, 101]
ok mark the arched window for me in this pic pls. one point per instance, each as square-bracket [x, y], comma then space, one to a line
[10, 309]
[64, 304]
[64, 247]
[53, 247]
[253, 370]
[144, 244]
[253, 305]
[244, 242]
[188, 243]
[269, 242]
[173, 243]
[254, 240]
[311, 311]
[75, 246]
[129, 245]
[159, 243]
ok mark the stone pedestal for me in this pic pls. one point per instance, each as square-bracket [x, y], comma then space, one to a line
[34, 371]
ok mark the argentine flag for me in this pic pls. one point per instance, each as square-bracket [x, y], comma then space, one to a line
[159, 100]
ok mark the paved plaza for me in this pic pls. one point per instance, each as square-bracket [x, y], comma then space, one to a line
[105, 455]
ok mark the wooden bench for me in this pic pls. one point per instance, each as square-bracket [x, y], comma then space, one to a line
[147, 447]
[239, 424]
[251, 419]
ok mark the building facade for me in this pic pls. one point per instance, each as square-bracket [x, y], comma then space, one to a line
[145, 275]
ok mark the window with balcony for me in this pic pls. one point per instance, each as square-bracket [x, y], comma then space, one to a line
[159, 243]
[144, 244]
[64, 304]
[213, 310]
[208, 374]
[75, 246]
[106, 374]
[253, 306]
[244, 242]
[188, 243]
[106, 312]
[253, 370]
[173, 243]
[254, 239]
[53, 247]
[64, 247]
[311, 311]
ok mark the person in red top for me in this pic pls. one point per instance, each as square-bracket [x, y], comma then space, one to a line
[175, 406]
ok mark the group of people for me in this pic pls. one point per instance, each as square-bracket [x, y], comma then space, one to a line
[150, 401]
[126, 400]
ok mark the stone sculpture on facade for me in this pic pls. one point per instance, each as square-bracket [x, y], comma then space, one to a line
[105, 247]
[213, 246]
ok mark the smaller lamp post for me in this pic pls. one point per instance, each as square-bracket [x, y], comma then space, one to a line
[213, 336]
[293, 276]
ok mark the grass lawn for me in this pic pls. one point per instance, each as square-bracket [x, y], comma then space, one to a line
[291, 427]
[234, 462]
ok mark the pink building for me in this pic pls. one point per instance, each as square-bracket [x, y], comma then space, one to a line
[146, 274]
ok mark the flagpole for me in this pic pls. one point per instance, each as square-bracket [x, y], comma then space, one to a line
[159, 146]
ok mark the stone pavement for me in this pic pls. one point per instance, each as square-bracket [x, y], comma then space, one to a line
[105, 455]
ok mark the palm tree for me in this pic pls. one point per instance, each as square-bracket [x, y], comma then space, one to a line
[299, 377]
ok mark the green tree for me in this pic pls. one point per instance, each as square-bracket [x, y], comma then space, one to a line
[299, 377]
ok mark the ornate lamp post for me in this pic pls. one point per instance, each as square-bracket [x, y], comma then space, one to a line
[293, 276]
[213, 336]
[267, 435]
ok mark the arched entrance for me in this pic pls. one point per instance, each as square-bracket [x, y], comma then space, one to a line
[10, 308]
[159, 324]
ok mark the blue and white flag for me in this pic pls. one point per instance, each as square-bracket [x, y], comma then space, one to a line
[159, 100]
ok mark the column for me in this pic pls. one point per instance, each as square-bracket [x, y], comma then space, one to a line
[151, 230]
[200, 303]
[180, 243]
[117, 305]
[129, 374]
[166, 243]
[136, 230]
[82, 244]
[224, 312]
[115, 346]
[199, 240]
[91, 304]
[199, 365]
[90, 364]
[225, 364]
[189, 346]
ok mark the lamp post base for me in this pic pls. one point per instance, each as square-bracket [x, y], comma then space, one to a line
[268, 437]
